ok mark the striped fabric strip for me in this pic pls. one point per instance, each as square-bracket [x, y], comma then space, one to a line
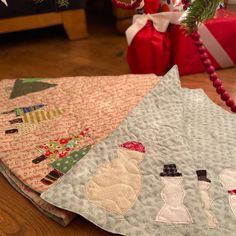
[51, 177]
[38, 116]
[22, 110]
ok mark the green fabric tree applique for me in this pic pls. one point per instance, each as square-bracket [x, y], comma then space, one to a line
[22, 88]
[63, 153]
[65, 164]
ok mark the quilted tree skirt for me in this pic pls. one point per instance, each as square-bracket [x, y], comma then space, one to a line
[47, 125]
[169, 168]
[135, 155]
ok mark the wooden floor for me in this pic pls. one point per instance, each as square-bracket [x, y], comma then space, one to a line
[48, 53]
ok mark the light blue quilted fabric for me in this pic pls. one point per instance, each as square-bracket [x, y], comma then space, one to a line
[175, 125]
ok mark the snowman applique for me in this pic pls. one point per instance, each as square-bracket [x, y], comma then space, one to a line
[173, 210]
[228, 180]
[117, 183]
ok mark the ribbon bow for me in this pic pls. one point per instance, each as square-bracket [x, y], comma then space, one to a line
[160, 22]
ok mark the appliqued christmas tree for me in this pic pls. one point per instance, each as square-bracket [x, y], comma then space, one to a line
[22, 88]
[60, 148]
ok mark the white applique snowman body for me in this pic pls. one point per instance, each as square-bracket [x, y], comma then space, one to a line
[117, 183]
[173, 210]
[204, 184]
[228, 180]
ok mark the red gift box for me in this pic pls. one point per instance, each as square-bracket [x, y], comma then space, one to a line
[222, 29]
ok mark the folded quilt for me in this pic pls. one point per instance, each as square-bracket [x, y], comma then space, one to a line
[62, 217]
[168, 169]
[47, 125]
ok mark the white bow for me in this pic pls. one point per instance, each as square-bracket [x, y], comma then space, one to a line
[160, 22]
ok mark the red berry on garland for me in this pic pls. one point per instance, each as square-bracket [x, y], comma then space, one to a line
[233, 108]
[230, 102]
[207, 63]
[203, 56]
[195, 36]
[210, 70]
[198, 43]
[201, 49]
[217, 83]
[220, 89]
[225, 96]
[213, 76]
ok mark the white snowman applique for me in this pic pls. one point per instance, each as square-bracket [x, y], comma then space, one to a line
[117, 183]
[228, 180]
[173, 210]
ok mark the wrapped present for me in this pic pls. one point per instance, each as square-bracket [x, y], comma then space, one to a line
[218, 36]
[149, 45]
[148, 42]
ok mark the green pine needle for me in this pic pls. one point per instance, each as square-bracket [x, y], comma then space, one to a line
[63, 3]
[198, 12]
[60, 3]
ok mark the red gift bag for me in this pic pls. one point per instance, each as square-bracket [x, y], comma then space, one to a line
[149, 51]
[149, 43]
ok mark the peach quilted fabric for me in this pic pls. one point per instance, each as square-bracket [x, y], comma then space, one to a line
[100, 103]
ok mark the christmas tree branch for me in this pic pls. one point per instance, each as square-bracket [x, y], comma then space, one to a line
[198, 12]
[60, 3]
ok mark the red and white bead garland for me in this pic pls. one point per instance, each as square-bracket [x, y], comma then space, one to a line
[225, 96]
[127, 6]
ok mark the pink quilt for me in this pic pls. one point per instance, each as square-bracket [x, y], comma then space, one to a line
[50, 124]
